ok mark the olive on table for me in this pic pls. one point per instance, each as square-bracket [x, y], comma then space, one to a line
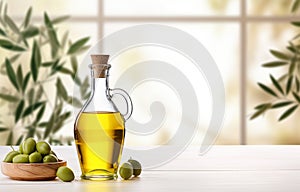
[137, 167]
[65, 174]
[126, 170]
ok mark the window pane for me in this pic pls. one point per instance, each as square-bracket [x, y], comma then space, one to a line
[222, 41]
[170, 7]
[269, 7]
[55, 7]
[266, 129]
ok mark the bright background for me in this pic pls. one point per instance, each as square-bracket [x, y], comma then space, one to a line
[237, 33]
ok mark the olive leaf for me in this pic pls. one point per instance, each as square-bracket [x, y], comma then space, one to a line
[61, 90]
[47, 64]
[31, 31]
[2, 32]
[267, 89]
[77, 80]
[295, 5]
[19, 110]
[64, 39]
[66, 71]
[57, 68]
[296, 23]
[32, 108]
[40, 113]
[60, 19]
[292, 66]
[275, 64]
[27, 17]
[11, 74]
[52, 35]
[10, 46]
[276, 84]
[2, 129]
[25, 82]
[260, 111]
[35, 62]
[75, 102]
[297, 84]
[74, 63]
[292, 47]
[281, 104]
[262, 105]
[289, 85]
[77, 45]
[297, 97]
[14, 58]
[4, 10]
[20, 76]
[1, 6]
[11, 24]
[9, 98]
[42, 124]
[39, 92]
[288, 112]
[282, 78]
[279, 55]
[30, 96]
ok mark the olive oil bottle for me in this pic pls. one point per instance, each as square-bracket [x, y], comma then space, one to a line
[99, 128]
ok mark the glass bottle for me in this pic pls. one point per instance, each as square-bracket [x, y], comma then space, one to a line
[99, 128]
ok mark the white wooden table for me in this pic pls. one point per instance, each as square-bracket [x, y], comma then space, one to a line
[223, 168]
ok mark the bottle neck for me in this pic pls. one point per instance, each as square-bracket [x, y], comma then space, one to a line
[99, 88]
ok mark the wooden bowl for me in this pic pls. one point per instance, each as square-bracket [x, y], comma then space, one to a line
[31, 171]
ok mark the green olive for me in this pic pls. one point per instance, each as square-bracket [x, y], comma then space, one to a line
[35, 157]
[43, 148]
[22, 158]
[50, 158]
[52, 152]
[29, 146]
[21, 147]
[126, 170]
[65, 174]
[9, 157]
[137, 167]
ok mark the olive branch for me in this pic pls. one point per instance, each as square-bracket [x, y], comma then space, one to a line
[284, 89]
[37, 60]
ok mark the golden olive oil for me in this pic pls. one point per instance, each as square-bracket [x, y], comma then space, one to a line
[99, 138]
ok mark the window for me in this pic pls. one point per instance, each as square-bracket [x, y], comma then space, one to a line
[237, 33]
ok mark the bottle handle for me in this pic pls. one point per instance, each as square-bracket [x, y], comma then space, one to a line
[127, 99]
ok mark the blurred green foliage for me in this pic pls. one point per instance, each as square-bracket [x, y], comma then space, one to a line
[51, 59]
[285, 89]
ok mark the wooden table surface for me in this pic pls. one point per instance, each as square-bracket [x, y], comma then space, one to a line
[223, 168]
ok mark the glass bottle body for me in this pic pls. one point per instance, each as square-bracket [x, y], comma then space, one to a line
[99, 133]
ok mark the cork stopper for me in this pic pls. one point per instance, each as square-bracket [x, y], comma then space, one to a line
[99, 65]
[99, 59]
